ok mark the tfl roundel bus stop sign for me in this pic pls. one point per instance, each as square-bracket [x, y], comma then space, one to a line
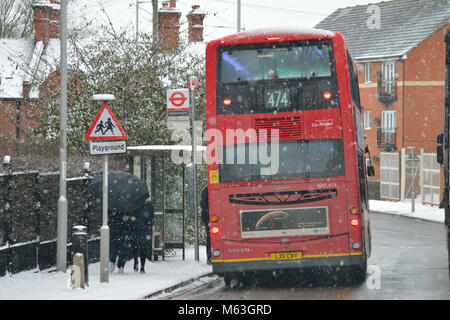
[177, 102]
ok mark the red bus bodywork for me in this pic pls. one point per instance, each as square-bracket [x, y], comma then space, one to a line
[233, 253]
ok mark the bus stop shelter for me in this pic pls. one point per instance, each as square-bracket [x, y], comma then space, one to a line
[151, 163]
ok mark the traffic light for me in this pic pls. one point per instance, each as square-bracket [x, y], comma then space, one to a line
[439, 149]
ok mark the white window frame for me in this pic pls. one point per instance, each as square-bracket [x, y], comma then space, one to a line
[388, 121]
[388, 77]
[367, 72]
[367, 120]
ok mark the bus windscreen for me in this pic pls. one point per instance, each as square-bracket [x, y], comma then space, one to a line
[282, 77]
[297, 61]
[293, 159]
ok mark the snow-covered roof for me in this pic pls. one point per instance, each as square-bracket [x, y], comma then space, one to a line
[169, 9]
[198, 11]
[46, 3]
[161, 150]
[15, 55]
[23, 63]
[387, 29]
[165, 148]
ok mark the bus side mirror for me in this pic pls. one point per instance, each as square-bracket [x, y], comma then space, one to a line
[370, 171]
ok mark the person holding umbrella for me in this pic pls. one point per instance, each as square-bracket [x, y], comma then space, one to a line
[126, 193]
[141, 233]
[118, 239]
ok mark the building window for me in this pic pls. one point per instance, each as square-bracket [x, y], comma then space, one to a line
[367, 120]
[388, 76]
[367, 72]
[388, 121]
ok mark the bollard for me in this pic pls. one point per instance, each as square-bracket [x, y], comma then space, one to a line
[78, 274]
[80, 245]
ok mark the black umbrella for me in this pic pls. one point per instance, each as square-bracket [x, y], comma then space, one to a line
[126, 192]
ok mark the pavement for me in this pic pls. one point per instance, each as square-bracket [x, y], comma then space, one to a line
[160, 277]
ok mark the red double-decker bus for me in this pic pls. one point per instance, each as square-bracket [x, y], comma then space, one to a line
[285, 154]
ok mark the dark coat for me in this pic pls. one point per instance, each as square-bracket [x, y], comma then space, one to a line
[118, 225]
[204, 204]
[141, 222]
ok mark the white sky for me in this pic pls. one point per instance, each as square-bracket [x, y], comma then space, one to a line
[221, 14]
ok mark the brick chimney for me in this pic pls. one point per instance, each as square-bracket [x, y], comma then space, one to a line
[169, 26]
[46, 21]
[195, 20]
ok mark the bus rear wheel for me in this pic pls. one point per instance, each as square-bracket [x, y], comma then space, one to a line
[232, 280]
[238, 279]
[358, 273]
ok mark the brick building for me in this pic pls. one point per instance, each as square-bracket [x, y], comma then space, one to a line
[22, 61]
[169, 25]
[399, 49]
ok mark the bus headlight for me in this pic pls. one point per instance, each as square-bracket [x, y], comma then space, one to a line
[356, 245]
[216, 253]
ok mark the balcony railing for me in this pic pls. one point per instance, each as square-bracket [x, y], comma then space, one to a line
[386, 141]
[387, 89]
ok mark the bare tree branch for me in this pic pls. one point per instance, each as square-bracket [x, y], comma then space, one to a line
[16, 18]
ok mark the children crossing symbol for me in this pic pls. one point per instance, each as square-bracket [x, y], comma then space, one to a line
[105, 126]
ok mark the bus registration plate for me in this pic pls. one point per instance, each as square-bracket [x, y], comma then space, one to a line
[289, 255]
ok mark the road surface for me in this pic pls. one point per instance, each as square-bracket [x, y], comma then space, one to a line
[408, 261]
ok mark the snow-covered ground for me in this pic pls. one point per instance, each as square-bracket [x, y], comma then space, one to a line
[159, 275]
[425, 212]
[45, 285]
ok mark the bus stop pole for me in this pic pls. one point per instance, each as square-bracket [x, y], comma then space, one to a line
[194, 162]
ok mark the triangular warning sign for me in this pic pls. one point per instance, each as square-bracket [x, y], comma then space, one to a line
[105, 126]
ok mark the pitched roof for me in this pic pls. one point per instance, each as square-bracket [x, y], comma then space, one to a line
[14, 57]
[403, 24]
[21, 62]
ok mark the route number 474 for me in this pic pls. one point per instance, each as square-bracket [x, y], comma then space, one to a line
[277, 98]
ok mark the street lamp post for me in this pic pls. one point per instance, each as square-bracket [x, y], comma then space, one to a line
[137, 20]
[238, 15]
[413, 186]
[61, 244]
[155, 18]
